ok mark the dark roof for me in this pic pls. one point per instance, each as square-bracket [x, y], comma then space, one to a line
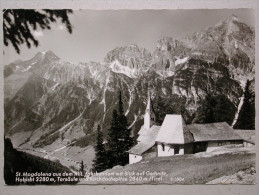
[146, 139]
[247, 135]
[213, 131]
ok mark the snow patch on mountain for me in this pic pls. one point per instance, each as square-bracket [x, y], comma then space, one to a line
[44, 52]
[181, 61]
[104, 91]
[46, 76]
[164, 91]
[134, 121]
[90, 95]
[26, 69]
[130, 100]
[17, 67]
[238, 110]
[54, 87]
[117, 67]
[165, 73]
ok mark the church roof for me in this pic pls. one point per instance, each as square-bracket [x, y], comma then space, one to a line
[247, 135]
[140, 148]
[149, 135]
[142, 130]
[213, 131]
[146, 139]
[174, 131]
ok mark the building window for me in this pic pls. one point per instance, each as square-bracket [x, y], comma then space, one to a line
[219, 143]
[176, 149]
[163, 147]
[135, 156]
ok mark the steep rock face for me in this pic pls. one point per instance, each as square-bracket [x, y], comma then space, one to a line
[168, 54]
[130, 60]
[61, 102]
[18, 113]
[231, 42]
[197, 77]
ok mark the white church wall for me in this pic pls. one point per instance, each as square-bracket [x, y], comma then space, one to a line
[181, 150]
[164, 150]
[133, 158]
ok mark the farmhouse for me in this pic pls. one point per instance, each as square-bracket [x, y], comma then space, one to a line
[174, 137]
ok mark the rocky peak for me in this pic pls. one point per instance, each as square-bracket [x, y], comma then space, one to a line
[167, 44]
[130, 56]
[46, 54]
[232, 18]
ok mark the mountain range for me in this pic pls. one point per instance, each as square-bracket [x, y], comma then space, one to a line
[50, 103]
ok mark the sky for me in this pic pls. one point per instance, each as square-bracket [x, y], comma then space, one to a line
[96, 32]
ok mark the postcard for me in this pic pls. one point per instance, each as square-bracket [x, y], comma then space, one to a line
[136, 97]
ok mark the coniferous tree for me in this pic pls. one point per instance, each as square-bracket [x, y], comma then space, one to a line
[100, 154]
[214, 109]
[224, 110]
[82, 168]
[246, 118]
[125, 140]
[112, 141]
[119, 140]
[205, 113]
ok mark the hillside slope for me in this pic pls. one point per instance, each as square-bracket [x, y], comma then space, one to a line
[21, 162]
[199, 168]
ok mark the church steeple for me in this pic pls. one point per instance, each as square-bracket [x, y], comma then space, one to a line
[148, 103]
[149, 114]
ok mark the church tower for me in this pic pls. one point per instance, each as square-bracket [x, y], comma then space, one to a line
[149, 117]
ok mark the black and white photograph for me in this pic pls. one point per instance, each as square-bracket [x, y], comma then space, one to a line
[151, 96]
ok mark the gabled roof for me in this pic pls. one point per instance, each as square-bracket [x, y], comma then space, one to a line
[247, 135]
[140, 148]
[149, 135]
[212, 132]
[174, 131]
[146, 139]
[142, 130]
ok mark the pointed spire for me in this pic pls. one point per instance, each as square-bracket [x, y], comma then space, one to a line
[147, 117]
[148, 103]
